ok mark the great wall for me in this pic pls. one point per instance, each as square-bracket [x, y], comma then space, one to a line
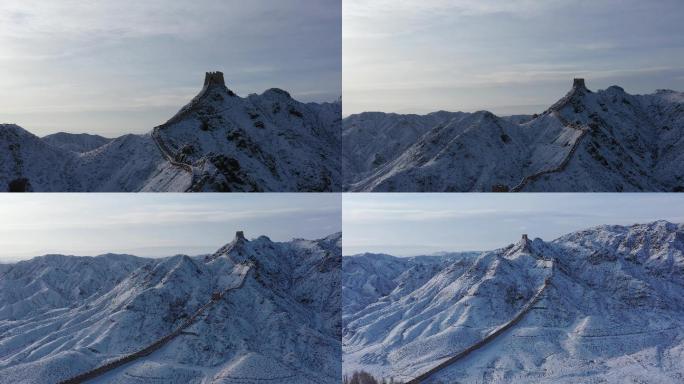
[210, 79]
[101, 370]
[560, 167]
[577, 86]
[497, 332]
[166, 153]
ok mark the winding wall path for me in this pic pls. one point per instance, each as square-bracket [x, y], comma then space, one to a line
[164, 149]
[167, 154]
[99, 371]
[490, 337]
[563, 164]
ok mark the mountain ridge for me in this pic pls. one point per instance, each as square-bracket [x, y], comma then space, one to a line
[612, 296]
[217, 142]
[586, 141]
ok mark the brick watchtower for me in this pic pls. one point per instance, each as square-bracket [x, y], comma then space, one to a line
[214, 78]
[578, 83]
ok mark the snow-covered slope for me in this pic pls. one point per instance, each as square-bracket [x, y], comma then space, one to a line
[600, 305]
[368, 277]
[255, 311]
[371, 139]
[218, 142]
[82, 142]
[125, 164]
[603, 141]
[49, 282]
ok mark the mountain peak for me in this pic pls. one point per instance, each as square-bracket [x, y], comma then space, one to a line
[14, 130]
[277, 93]
[574, 97]
[237, 245]
[615, 89]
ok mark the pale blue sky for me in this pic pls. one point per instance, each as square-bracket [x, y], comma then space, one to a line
[507, 56]
[115, 67]
[160, 224]
[408, 224]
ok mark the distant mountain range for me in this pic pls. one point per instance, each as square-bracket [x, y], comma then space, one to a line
[587, 141]
[218, 142]
[594, 306]
[254, 311]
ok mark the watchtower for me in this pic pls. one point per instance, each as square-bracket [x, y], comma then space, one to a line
[214, 78]
[578, 83]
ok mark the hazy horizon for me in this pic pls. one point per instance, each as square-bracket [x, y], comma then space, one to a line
[112, 68]
[159, 224]
[508, 57]
[412, 224]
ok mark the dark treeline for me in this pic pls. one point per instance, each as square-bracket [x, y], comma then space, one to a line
[366, 378]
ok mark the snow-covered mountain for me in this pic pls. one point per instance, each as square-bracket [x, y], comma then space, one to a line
[603, 305]
[218, 142]
[127, 163]
[588, 141]
[254, 311]
[369, 276]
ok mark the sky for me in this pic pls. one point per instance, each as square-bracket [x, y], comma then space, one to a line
[411, 224]
[506, 56]
[115, 67]
[159, 224]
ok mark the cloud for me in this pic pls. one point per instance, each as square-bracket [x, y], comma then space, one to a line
[168, 215]
[68, 65]
[96, 20]
[419, 210]
[387, 19]
[106, 213]
[428, 215]
[140, 223]
[443, 54]
[452, 8]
